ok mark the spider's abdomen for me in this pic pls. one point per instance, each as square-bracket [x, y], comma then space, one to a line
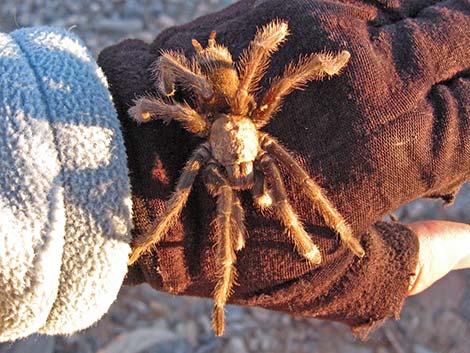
[235, 145]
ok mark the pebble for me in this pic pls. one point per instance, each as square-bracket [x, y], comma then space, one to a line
[165, 21]
[212, 346]
[34, 343]
[355, 348]
[422, 349]
[205, 322]
[156, 8]
[179, 346]
[125, 26]
[448, 326]
[122, 316]
[236, 345]
[234, 313]
[133, 9]
[261, 315]
[382, 350]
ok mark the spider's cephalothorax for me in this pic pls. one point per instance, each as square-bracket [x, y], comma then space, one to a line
[234, 144]
[237, 156]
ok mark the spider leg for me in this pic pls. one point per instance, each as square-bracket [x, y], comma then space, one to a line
[255, 59]
[302, 241]
[295, 76]
[238, 223]
[173, 206]
[145, 108]
[172, 64]
[219, 187]
[197, 46]
[314, 192]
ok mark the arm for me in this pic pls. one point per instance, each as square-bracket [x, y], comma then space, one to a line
[64, 190]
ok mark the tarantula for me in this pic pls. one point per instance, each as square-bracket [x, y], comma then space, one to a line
[237, 155]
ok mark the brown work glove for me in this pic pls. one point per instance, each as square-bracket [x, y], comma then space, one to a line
[393, 126]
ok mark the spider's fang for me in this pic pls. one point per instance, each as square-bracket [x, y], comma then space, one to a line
[241, 174]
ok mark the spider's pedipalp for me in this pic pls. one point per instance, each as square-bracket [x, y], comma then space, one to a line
[314, 192]
[295, 76]
[219, 187]
[254, 61]
[261, 195]
[172, 67]
[174, 205]
[302, 241]
[146, 108]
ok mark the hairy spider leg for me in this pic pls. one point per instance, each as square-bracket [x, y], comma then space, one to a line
[219, 187]
[146, 108]
[314, 192]
[197, 46]
[174, 205]
[296, 76]
[171, 65]
[238, 223]
[254, 61]
[302, 241]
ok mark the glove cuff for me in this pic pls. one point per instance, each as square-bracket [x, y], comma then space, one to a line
[65, 203]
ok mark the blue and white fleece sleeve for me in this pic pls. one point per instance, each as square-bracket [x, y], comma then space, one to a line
[65, 205]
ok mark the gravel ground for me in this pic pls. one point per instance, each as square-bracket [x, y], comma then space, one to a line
[143, 320]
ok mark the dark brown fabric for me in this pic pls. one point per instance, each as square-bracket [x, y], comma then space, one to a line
[392, 127]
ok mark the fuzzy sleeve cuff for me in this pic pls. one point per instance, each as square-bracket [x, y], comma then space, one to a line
[65, 206]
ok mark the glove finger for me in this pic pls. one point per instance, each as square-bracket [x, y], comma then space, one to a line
[428, 48]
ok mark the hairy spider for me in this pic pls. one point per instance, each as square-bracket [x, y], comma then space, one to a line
[237, 155]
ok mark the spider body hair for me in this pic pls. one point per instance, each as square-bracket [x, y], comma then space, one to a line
[236, 154]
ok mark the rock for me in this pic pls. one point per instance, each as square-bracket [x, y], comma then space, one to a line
[133, 9]
[450, 328]
[355, 348]
[125, 26]
[178, 346]
[422, 349]
[191, 332]
[31, 344]
[213, 346]
[266, 343]
[236, 345]
[205, 323]
[234, 313]
[74, 20]
[94, 7]
[261, 315]
[156, 8]
[121, 316]
[163, 21]
[138, 340]
[382, 350]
